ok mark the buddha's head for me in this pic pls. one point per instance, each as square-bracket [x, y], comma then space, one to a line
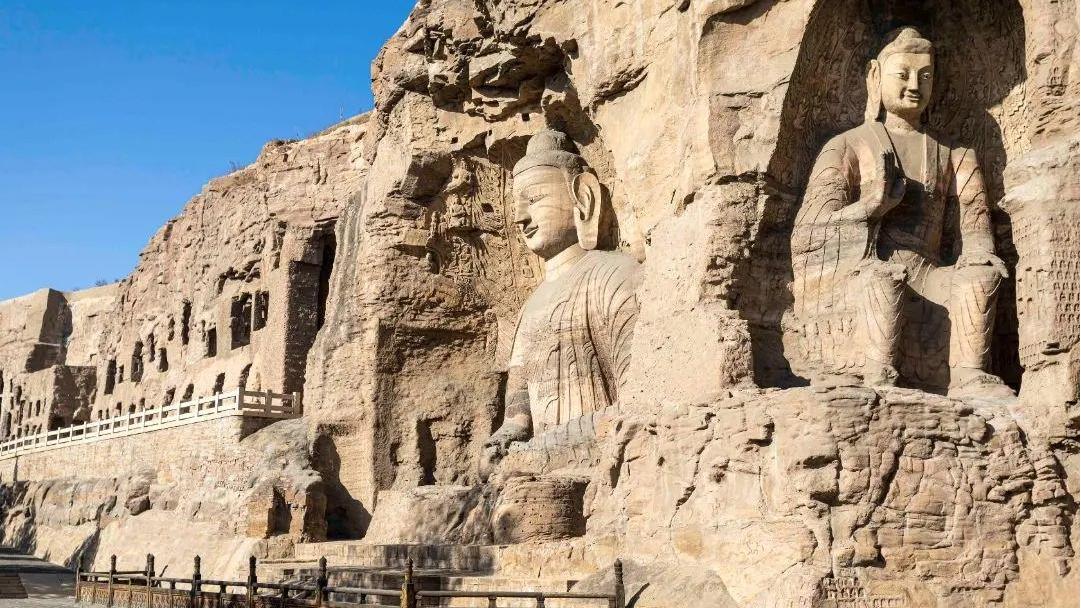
[899, 80]
[557, 198]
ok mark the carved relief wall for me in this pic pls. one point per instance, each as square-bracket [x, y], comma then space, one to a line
[716, 485]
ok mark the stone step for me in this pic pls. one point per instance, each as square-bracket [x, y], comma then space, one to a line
[11, 587]
[467, 558]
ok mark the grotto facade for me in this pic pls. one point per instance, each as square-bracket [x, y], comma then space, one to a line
[774, 300]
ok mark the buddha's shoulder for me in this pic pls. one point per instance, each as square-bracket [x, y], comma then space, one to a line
[843, 144]
[612, 259]
[861, 144]
[857, 135]
[612, 265]
[871, 135]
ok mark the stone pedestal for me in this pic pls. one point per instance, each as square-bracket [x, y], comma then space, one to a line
[539, 509]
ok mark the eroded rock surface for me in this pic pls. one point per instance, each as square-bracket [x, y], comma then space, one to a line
[730, 467]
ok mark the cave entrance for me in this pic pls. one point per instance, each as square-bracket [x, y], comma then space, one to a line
[307, 291]
[240, 320]
[346, 518]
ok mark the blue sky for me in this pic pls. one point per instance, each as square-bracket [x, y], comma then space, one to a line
[113, 114]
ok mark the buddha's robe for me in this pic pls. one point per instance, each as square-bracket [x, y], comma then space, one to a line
[843, 259]
[571, 349]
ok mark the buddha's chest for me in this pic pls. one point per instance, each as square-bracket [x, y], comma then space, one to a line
[924, 165]
[916, 225]
[546, 322]
[914, 155]
[555, 339]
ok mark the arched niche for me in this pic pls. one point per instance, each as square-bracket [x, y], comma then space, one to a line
[980, 70]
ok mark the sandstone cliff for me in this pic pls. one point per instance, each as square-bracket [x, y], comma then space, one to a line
[261, 237]
[727, 476]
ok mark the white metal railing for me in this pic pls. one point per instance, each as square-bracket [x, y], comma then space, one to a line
[238, 402]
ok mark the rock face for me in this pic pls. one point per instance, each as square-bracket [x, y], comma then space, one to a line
[50, 359]
[229, 293]
[731, 466]
[224, 489]
[907, 497]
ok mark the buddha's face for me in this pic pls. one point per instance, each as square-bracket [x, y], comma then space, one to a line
[544, 210]
[906, 83]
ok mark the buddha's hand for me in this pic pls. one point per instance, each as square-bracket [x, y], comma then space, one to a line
[495, 447]
[506, 435]
[886, 187]
[983, 258]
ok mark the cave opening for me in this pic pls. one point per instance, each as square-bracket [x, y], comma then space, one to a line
[261, 310]
[110, 377]
[185, 322]
[427, 455]
[307, 293]
[240, 320]
[330, 247]
[211, 342]
[137, 362]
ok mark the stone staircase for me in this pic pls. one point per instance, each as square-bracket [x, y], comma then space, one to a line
[435, 568]
[39, 574]
[11, 586]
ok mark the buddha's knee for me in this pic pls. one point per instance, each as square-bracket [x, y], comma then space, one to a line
[983, 280]
[880, 273]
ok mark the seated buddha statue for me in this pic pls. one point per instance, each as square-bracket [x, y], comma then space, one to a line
[895, 226]
[571, 347]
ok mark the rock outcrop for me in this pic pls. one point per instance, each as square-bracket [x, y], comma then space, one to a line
[733, 469]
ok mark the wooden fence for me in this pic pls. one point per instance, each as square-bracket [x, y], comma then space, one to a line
[238, 402]
[143, 589]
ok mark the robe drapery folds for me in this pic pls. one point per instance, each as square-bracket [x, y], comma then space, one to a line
[833, 237]
[572, 345]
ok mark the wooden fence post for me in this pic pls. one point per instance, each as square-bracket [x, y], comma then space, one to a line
[252, 578]
[409, 589]
[620, 591]
[78, 574]
[112, 574]
[196, 574]
[149, 580]
[321, 582]
[298, 405]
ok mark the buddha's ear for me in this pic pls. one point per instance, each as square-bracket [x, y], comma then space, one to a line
[874, 91]
[587, 208]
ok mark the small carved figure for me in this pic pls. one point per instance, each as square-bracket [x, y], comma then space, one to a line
[893, 224]
[571, 348]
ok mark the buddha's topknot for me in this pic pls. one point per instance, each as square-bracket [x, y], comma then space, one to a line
[905, 40]
[550, 148]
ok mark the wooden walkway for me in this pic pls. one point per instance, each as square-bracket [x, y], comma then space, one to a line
[238, 402]
[139, 588]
